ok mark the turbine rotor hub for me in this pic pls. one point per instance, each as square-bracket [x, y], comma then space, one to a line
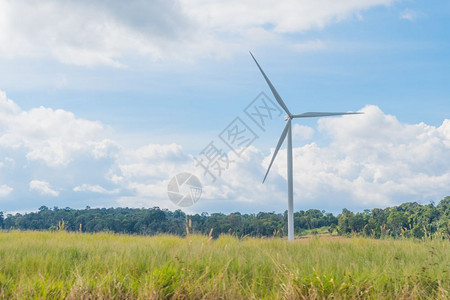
[287, 117]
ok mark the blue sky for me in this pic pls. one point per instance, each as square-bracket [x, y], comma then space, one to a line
[103, 102]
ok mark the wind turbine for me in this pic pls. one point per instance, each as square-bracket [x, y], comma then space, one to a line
[288, 132]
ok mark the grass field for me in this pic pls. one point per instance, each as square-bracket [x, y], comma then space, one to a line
[58, 265]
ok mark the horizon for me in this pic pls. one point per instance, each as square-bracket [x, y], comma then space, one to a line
[336, 214]
[105, 114]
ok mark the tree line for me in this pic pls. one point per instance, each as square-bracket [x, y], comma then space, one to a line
[406, 220]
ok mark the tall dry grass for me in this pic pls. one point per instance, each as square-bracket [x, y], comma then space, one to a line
[59, 265]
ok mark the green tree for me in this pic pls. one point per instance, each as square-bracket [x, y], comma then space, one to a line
[344, 221]
[396, 221]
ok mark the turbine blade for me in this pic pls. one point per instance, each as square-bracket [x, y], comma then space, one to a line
[324, 114]
[280, 142]
[272, 88]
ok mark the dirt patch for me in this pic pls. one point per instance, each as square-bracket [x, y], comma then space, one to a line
[324, 237]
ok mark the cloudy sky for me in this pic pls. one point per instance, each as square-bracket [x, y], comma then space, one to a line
[103, 102]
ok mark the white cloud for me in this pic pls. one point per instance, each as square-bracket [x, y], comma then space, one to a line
[309, 46]
[239, 188]
[5, 190]
[43, 187]
[287, 16]
[302, 132]
[377, 160]
[94, 189]
[90, 33]
[51, 136]
[146, 172]
[371, 160]
[411, 15]
[152, 161]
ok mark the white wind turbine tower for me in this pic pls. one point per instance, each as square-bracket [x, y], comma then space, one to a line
[288, 132]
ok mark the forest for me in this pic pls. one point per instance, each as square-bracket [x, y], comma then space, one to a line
[408, 220]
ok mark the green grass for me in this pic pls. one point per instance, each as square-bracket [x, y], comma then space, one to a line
[57, 265]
